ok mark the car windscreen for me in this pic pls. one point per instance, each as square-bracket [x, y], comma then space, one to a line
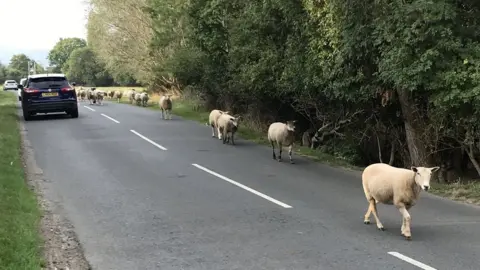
[48, 82]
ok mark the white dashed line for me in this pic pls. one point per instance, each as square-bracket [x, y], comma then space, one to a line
[242, 186]
[148, 140]
[89, 108]
[110, 118]
[410, 260]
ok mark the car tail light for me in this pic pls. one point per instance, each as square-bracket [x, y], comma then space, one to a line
[66, 89]
[31, 90]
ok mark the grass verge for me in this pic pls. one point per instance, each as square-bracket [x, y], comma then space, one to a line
[466, 192]
[20, 241]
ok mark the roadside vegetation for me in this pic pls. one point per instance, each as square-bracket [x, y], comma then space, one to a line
[20, 241]
[395, 82]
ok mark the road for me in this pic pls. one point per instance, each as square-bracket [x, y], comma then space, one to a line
[144, 193]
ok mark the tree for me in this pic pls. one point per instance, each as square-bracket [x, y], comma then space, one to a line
[83, 67]
[62, 51]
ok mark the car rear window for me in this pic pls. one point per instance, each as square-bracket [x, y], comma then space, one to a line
[11, 82]
[48, 82]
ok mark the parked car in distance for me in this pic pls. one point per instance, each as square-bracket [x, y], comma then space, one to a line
[19, 91]
[10, 85]
[46, 93]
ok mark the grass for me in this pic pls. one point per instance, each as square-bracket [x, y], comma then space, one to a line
[467, 192]
[20, 239]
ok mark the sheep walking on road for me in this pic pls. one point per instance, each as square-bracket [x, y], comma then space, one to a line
[144, 99]
[227, 127]
[118, 95]
[131, 96]
[99, 95]
[212, 121]
[390, 185]
[138, 98]
[165, 104]
[282, 134]
[110, 94]
[82, 94]
[92, 96]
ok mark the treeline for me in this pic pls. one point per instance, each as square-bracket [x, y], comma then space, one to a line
[81, 65]
[17, 68]
[392, 81]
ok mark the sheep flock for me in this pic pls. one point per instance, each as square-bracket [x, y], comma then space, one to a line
[382, 183]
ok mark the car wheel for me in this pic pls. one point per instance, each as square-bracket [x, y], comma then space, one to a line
[27, 116]
[74, 113]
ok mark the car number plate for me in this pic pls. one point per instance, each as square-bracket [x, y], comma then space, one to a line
[49, 94]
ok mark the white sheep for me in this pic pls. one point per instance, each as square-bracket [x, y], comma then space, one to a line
[165, 104]
[283, 134]
[144, 98]
[110, 94]
[227, 126]
[212, 121]
[131, 95]
[92, 96]
[118, 95]
[99, 95]
[82, 93]
[138, 98]
[390, 185]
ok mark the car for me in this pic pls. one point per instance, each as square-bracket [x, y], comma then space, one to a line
[19, 91]
[46, 93]
[10, 85]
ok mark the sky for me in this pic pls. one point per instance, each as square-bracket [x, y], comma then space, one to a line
[50, 20]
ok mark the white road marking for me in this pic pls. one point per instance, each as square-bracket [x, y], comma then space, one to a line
[110, 118]
[242, 186]
[412, 261]
[148, 140]
[89, 108]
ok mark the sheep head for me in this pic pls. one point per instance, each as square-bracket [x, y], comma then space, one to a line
[423, 176]
[291, 125]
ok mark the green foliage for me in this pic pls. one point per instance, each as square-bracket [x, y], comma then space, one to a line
[83, 67]
[60, 53]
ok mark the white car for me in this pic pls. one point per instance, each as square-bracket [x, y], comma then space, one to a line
[10, 85]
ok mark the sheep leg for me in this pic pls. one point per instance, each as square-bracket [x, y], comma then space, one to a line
[366, 220]
[162, 114]
[233, 142]
[290, 154]
[213, 131]
[219, 133]
[373, 206]
[280, 146]
[170, 114]
[273, 150]
[406, 221]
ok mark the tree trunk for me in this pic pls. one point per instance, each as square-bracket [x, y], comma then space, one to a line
[413, 130]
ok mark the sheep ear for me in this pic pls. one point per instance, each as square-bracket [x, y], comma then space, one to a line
[434, 169]
[237, 117]
[294, 121]
[414, 169]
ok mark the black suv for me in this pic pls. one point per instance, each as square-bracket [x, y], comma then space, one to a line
[44, 93]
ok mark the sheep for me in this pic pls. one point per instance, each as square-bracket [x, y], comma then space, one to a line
[390, 185]
[118, 95]
[92, 96]
[144, 98]
[165, 104]
[283, 135]
[82, 94]
[110, 94]
[138, 98]
[100, 95]
[131, 95]
[227, 126]
[212, 121]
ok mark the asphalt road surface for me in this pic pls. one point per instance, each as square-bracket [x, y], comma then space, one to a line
[145, 193]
